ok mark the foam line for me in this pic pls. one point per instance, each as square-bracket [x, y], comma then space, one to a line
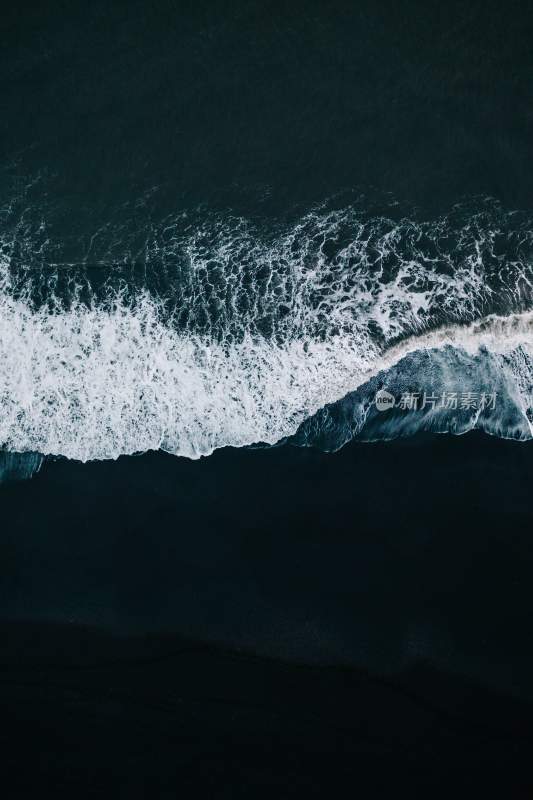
[253, 331]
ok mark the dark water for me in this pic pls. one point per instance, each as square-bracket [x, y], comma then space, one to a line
[427, 101]
[226, 225]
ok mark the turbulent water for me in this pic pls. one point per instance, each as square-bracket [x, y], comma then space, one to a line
[203, 329]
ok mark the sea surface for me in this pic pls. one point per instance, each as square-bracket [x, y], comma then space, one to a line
[220, 227]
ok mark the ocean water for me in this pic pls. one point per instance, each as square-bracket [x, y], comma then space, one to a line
[196, 253]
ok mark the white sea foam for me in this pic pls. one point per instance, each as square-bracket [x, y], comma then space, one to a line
[217, 363]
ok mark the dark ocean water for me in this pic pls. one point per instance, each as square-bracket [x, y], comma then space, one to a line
[217, 220]
[224, 229]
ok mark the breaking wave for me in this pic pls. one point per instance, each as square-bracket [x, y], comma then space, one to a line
[206, 330]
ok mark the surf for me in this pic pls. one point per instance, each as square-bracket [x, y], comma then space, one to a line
[240, 332]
